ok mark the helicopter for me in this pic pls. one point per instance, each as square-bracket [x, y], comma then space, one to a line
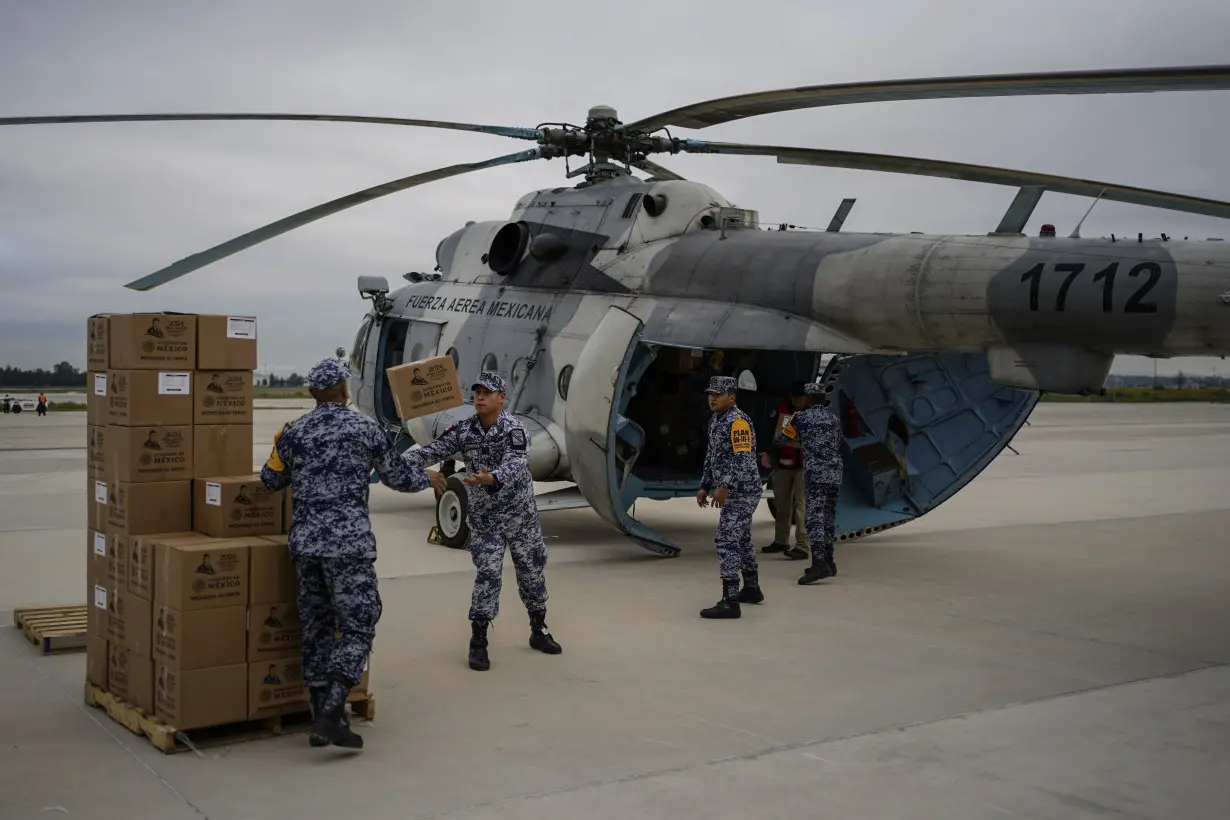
[609, 303]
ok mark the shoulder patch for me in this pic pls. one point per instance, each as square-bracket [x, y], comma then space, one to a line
[788, 428]
[741, 436]
[517, 439]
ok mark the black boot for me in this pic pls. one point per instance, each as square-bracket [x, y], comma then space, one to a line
[479, 661]
[329, 724]
[728, 607]
[832, 562]
[818, 571]
[316, 697]
[540, 638]
[751, 594]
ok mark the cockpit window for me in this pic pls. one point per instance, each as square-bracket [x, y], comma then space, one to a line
[358, 351]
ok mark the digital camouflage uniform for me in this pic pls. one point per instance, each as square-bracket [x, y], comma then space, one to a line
[500, 516]
[730, 462]
[326, 457]
[818, 431]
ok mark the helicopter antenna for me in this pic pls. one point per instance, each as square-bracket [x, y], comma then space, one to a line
[1076, 232]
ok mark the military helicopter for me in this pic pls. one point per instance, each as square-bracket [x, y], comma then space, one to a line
[609, 303]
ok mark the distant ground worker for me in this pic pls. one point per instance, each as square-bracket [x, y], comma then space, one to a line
[818, 430]
[326, 457]
[786, 462]
[502, 514]
[42, 404]
[733, 478]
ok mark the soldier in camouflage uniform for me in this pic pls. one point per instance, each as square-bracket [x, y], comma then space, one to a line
[818, 431]
[502, 513]
[731, 470]
[326, 457]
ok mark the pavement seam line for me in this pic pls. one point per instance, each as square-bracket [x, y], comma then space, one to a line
[166, 783]
[807, 744]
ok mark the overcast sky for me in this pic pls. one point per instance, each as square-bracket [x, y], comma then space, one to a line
[86, 208]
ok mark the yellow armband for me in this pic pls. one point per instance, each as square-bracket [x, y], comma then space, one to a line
[274, 461]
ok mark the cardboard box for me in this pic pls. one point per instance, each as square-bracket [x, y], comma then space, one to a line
[142, 555]
[226, 342]
[201, 697]
[272, 573]
[98, 610]
[149, 398]
[130, 621]
[97, 348]
[222, 397]
[96, 557]
[221, 449]
[137, 455]
[200, 638]
[97, 398]
[152, 341]
[96, 451]
[235, 506]
[204, 574]
[274, 632]
[97, 658]
[276, 688]
[99, 501]
[130, 677]
[117, 559]
[423, 387]
[143, 509]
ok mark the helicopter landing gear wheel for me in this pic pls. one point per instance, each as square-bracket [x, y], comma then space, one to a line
[452, 508]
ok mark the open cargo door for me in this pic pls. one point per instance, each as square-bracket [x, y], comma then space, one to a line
[602, 443]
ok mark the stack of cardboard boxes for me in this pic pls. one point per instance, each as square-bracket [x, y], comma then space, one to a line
[191, 589]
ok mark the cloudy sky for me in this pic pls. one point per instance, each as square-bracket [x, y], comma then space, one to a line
[86, 208]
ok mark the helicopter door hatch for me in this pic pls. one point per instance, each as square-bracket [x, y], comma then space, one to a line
[602, 443]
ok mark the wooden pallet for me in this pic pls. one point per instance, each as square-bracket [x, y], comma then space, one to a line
[169, 740]
[54, 628]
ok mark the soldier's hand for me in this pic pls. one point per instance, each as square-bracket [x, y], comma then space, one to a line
[719, 498]
[438, 482]
[481, 477]
[702, 499]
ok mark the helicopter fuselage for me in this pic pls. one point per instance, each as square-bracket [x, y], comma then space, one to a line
[952, 335]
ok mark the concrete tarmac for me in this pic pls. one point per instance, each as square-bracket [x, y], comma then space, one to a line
[1051, 643]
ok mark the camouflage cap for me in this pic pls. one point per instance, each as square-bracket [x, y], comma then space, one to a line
[488, 380]
[813, 389]
[722, 384]
[329, 373]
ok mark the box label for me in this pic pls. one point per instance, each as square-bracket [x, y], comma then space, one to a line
[213, 493]
[100, 597]
[240, 327]
[100, 544]
[100, 384]
[174, 384]
[100, 492]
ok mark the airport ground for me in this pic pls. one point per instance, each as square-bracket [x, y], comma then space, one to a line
[1051, 643]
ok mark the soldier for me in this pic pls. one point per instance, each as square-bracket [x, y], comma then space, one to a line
[818, 430]
[502, 513]
[325, 457]
[730, 469]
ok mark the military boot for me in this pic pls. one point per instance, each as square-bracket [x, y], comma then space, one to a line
[329, 724]
[479, 661]
[818, 571]
[728, 606]
[540, 638]
[751, 594]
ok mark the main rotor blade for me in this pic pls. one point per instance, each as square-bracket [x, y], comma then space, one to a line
[1106, 81]
[498, 130]
[200, 260]
[969, 173]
